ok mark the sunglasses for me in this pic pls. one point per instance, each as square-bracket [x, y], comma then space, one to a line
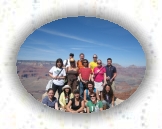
[85, 62]
[92, 96]
[94, 57]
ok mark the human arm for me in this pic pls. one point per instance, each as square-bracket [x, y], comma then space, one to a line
[87, 109]
[101, 106]
[67, 68]
[82, 107]
[101, 109]
[104, 79]
[51, 72]
[56, 105]
[102, 96]
[112, 103]
[44, 101]
[61, 99]
[68, 106]
[62, 74]
[51, 75]
[90, 75]
[93, 75]
[115, 74]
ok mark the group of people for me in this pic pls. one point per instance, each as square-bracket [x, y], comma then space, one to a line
[82, 86]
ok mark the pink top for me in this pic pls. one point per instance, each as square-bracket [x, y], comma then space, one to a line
[99, 77]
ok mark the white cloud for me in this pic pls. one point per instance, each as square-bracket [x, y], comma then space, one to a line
[79, 39]
[75, 48]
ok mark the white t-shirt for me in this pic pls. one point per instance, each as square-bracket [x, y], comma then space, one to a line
[55, 70]
[68, 63]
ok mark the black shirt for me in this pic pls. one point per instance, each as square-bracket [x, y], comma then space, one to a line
[73, 106]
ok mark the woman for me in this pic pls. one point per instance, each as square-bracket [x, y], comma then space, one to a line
[50, 100]
[65, 96]
[85, 74]
[99, 76]
[90, 89]
[107, 97]
[94, 105]
[72, 75]
[76, 103]
[58, 74]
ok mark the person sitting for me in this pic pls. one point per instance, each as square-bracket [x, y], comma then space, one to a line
[94, 105]
[65, 96]
[107, 97]
[76, 103]
[50, 100]
[90, 89]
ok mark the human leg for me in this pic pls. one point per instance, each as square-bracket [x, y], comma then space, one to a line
[81, 88]
[113, 86]
[74, 85]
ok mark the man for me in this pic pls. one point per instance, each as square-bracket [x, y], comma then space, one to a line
[111, 73]
[67, 61]
[93, 64]
[79, 62]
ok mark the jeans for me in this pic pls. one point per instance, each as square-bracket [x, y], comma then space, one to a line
[82, 87]
[108, 105]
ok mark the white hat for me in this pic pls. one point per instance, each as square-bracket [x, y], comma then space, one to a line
[66, 86]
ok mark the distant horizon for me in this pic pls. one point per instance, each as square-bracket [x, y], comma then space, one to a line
[88, 60]
[86, 35]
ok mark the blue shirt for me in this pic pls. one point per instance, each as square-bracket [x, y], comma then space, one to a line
[49, 103]
[110, 70]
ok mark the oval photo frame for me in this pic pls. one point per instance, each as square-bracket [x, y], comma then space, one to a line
[133, 112]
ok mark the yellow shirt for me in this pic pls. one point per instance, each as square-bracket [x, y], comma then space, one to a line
[62, 99]
[93, 65]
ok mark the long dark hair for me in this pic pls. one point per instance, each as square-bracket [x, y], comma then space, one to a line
[68, 92]
[59, 60]
[110, 93]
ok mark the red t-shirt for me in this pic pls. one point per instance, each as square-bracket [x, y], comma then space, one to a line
[85, 72]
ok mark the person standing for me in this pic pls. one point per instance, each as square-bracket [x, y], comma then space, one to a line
[111, 73]
[93, 64]
[72, 75]
[66, 65]
[85, 74]
[58, 74]
[79, 62]
[99, 76]
[67, 61]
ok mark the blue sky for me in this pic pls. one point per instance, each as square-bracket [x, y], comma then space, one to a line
[83, 35]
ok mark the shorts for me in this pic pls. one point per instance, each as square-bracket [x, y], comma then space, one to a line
[98, 85]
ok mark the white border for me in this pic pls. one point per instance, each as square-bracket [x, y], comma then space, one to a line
[19, 18]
